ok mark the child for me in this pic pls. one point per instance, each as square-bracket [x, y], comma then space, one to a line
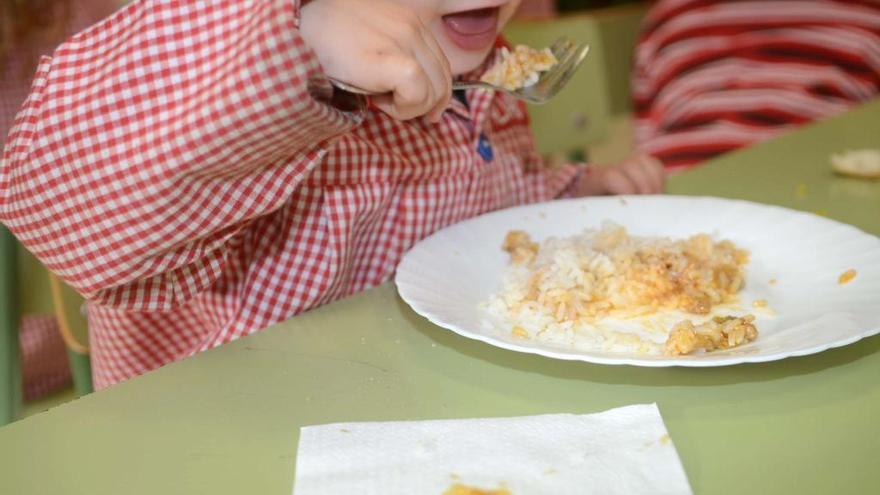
[179, 167]
[715, 76]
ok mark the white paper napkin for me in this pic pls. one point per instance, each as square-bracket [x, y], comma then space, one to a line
[625, 450]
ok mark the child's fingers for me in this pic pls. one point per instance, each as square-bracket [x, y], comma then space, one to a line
[420, 83]
[412, 38]
[640, 180]
[382, 47]
[436, 66]
[412, 93]
[653, 168]
[441, 84]
[618, 182]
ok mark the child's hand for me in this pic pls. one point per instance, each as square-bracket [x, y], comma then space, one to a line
[381, 46]
[641, 174]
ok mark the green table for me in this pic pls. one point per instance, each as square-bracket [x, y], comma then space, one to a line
[226, 421]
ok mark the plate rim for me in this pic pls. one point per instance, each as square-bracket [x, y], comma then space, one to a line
[702, 362]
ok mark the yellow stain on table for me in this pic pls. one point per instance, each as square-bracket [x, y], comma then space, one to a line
[459, 489]
[846, 276]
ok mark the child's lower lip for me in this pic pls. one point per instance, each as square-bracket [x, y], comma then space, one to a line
[472, 30]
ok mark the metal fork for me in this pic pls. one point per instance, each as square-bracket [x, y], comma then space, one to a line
[569, 56]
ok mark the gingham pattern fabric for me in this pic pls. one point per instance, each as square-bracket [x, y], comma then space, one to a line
[712, 76]
[44, 364]
[172, 165]
[16, 70]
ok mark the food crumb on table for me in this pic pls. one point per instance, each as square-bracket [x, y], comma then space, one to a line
[460, 489]
[863, 164]
[847, 276]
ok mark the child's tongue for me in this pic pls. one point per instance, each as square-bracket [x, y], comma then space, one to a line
[472, 29]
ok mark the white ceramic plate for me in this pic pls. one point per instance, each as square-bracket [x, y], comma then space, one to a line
[447, 276]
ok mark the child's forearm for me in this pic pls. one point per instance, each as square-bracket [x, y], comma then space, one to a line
[153, 138]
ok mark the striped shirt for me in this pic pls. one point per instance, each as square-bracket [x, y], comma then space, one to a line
[714, 76]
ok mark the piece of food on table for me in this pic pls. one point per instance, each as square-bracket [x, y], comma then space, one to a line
[459, 489]
[847, 276]
[721, 332]
[520, 68]
[858, 163]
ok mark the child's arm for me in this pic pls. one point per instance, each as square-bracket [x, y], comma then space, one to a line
[151, 139]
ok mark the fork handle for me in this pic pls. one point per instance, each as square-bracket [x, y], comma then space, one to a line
[471, 85]
[358, 91]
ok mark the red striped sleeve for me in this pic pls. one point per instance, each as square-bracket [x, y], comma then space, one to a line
[766, 65]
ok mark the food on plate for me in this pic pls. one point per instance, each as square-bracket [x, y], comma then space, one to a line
[563, 289]
[858, 163]
[519, 332]
[520, 246]
[520, 68]
[607, 271]
[721, 332]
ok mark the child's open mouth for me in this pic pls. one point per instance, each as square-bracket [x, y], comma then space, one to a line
[472, 29]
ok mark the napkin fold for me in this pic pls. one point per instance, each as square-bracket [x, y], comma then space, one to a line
[625, 450]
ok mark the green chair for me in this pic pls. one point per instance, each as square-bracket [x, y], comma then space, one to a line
[43, 293]
[74, 330]
[26, 287]
[10, 361]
